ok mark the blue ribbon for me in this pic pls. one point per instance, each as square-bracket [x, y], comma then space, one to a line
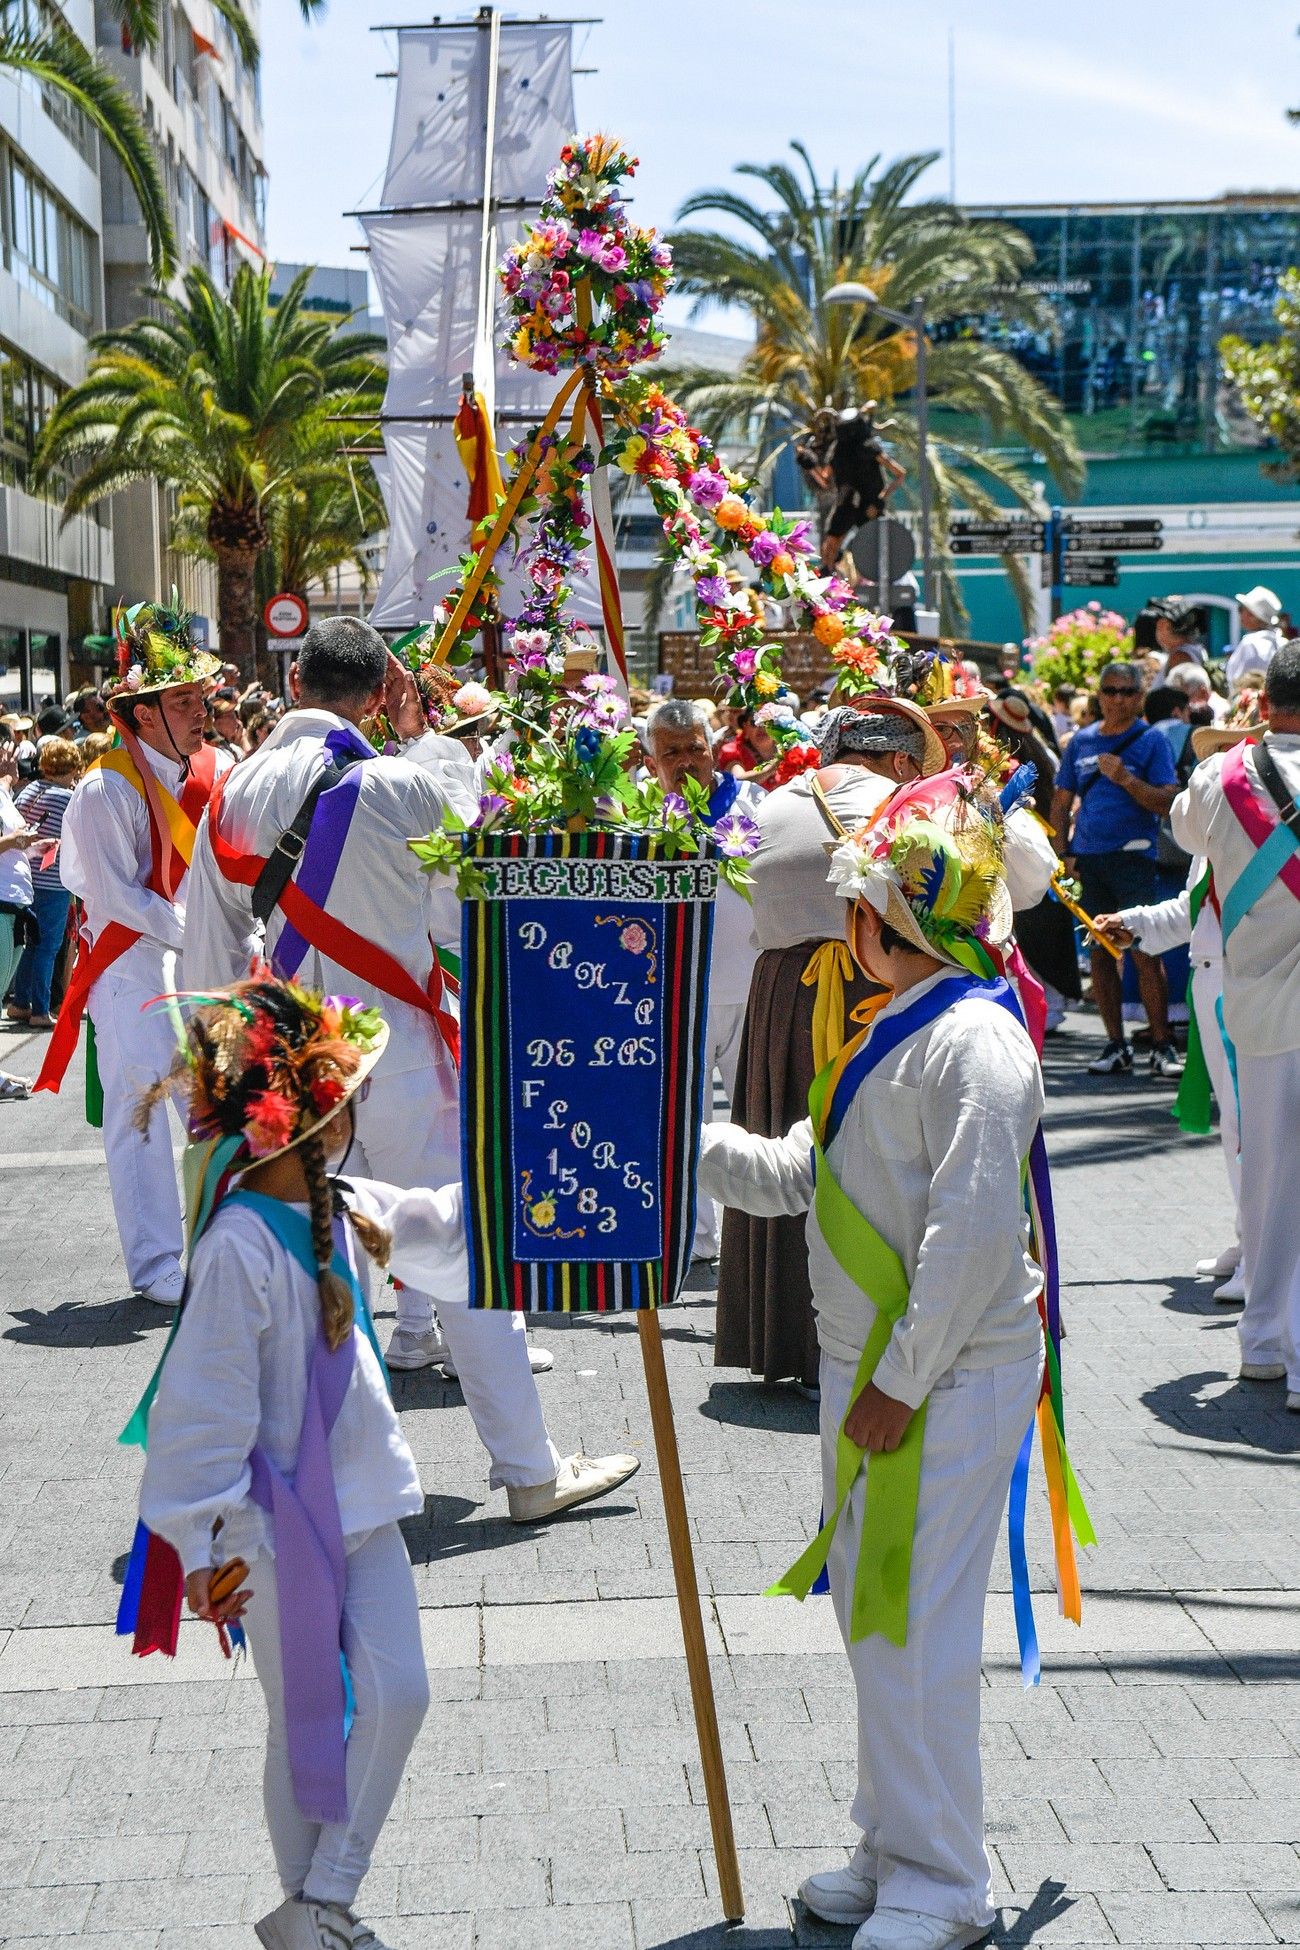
[1021, 1598]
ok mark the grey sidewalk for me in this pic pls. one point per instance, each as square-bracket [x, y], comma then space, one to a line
[1147, 1792]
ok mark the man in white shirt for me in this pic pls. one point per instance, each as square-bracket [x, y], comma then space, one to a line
[1230, 813]
[677, 747]
[367, 928]
[124, 851]
[1259, 612]
[919, 1143]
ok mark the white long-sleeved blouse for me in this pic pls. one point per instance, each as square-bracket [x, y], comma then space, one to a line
[930, 1150]
[237, 1372]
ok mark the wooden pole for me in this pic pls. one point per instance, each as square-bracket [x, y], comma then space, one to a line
[688, 1605]
[518, 488]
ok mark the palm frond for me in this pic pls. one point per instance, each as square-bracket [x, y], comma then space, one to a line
[57, 58]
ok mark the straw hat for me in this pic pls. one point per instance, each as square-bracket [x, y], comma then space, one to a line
[1210, 738]
[886, 704]
[930, 864]
[1011, 711]
[270, 1064]
[156, 651]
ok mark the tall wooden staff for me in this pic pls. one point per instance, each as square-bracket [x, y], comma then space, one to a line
[581, 384]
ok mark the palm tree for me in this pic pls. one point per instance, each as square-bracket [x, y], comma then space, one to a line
[808, 353]
[36, 40]
[235, 403]
[321, 526]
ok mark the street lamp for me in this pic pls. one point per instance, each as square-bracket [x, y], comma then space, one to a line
[862, 294]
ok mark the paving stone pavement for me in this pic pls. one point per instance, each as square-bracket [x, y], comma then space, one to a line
[1147, 1793]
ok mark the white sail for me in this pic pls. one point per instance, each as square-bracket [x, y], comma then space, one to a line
[436, 152]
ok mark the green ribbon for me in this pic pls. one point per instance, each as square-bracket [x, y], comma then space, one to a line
[1191, 1107]
[94, 1088]
[880, 1588]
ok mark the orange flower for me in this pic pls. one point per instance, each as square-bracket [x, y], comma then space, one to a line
[730, 511]
[782, 564]
[828, 629]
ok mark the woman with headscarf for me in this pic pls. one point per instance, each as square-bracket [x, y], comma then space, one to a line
[802, 994]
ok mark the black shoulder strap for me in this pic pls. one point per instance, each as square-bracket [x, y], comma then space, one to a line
[284, 856]
[1129, 738]
[1275, 785]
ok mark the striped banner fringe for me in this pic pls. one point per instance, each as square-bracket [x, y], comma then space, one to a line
[497, 1278]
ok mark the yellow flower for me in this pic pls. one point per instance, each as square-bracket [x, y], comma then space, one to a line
[521, 345]
[632, 452]
[765, 684]
[543, 1213]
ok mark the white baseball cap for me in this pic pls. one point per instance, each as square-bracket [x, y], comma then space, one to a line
[1263, 603]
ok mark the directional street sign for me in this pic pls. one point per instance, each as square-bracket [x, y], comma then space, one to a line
[1009, 542]
[1092, 571]
[1102, 525]
[1113, 541]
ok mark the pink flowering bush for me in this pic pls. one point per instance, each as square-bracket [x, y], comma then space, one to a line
[1078, 646]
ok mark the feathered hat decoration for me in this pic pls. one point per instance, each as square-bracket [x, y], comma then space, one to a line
[155, 649]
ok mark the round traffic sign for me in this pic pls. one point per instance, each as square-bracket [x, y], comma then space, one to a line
[285, 615]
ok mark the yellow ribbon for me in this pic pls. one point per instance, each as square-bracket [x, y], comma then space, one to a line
[182, 831]
[829, 966]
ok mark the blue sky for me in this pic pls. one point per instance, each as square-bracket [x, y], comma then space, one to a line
[1115, 99]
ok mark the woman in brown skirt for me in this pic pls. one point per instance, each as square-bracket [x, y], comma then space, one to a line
[804, 989]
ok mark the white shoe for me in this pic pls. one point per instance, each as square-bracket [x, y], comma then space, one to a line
[1263, 1371]
[1219, 1269]
[911, 1929]
[846, 1895]
[580, 1479]
[166, 1290]
[297, 1925]
[540, 1360]
[363, 1937]
[413, 1347]
[1233, 1290]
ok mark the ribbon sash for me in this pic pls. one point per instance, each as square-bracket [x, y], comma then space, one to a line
[1277, 855]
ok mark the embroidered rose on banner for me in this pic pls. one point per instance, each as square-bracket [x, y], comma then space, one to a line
[634, 938]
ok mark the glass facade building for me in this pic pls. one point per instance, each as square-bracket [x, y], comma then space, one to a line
[1141, 295]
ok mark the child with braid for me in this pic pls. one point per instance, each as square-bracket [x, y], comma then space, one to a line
[277, 1470]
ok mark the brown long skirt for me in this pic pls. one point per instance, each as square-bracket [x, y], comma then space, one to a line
[765, 1317]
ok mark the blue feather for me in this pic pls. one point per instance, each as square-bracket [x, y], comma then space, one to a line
[1019, 786]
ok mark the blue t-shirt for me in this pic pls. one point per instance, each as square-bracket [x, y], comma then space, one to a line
[1109, 819]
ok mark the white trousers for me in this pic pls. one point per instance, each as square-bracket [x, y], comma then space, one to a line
[1270, 1229]
[325, 1861]
[133, 1051]
[920, 1798]
[1207, 987]
[722, 1052]
[408, 1135]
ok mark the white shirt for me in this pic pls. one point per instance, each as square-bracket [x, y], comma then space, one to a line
[236, 1377]
[734, 949]
[930, 1151]
[105, 858]
[1254, 651]
[1168, 924]
[379, 889]
[1261, 959]
[15, 868]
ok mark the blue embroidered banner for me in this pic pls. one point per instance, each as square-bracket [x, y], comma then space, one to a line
[584, 990]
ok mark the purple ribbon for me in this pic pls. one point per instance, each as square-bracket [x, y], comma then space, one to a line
[324, 848]
[311, 1576]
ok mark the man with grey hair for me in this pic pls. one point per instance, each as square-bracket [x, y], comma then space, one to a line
[678, 746]
[1117, 781]
[316, 816]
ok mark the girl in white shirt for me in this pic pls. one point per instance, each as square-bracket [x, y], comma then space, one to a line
[272, 1407]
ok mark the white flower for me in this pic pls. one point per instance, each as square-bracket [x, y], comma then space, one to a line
[857, 874]
[471, 700]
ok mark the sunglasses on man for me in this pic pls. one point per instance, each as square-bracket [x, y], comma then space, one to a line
[1119, 690]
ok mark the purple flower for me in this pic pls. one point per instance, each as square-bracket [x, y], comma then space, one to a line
[705, 487]
[737, 835]
[489, 806]
[764, 546]
[711, 589]
[744, 663]
[798, 539]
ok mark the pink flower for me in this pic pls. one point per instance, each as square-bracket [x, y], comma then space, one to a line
[471, 700]
[744, 663]
[634, 938]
